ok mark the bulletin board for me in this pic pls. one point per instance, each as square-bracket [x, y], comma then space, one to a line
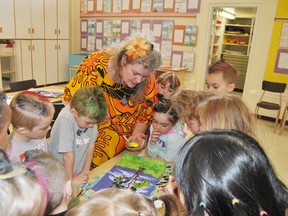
[277, 64]
[174, 40]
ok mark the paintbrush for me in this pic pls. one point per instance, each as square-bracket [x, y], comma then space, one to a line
[119, 130]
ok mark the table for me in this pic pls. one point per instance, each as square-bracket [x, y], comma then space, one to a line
[53, 88]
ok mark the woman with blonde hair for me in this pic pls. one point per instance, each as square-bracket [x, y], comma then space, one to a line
[126, 76]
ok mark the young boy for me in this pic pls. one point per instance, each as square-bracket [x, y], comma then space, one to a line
[53, 172]
[75, 131]
[5, 119]
[221, 78]
[32, 114]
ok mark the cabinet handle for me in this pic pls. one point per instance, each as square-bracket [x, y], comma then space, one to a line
[59, 47]
[29, 47]
[29, 30]
[55, 47]
[59, 31]
[55, 31]
[32, 30]
[33, 48]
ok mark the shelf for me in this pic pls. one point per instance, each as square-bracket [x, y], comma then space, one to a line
[8, 72]
[237, 35]
[234, 54]
[239, 25]
[230, 44]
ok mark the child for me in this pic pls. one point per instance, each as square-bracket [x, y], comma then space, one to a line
[5, 119]
[185, 103]
[31, 118]
[227, 112]
[20, 193]
[221, 78]
[75, 131]
[114, 201]
[226, 172]
[54, 174]
[167, 137]
[167, 84]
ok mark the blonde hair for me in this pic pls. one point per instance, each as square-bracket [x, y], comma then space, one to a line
[114, 201]
[185, 103]
[171, 78]
[28, 108]
[3, 109]
[226, 112]
[150, 58]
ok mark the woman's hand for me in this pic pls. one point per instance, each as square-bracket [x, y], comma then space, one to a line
[139, 138]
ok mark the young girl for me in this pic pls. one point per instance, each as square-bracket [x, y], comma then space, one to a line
[226, 172]
[185, 103]
[167, 137]
[75, 131]
[226, 112]
[167, 84]
[31, 118]
[5, 119]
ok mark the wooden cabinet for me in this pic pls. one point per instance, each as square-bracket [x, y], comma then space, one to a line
[57, 61]
[29, 19]
[30, 60]
[56, 19]
[7, 26]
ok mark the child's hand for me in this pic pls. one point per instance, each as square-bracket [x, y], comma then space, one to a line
[155, 136]
[80, 178]
[172, 186]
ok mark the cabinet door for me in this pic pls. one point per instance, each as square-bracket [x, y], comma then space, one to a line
[63, 19]
[51, 61]
[7, 27]
[37, 18]
[38, 61]
[26, 59]
[29, 17]
[63, 60]
[51, 29]
[23, 19]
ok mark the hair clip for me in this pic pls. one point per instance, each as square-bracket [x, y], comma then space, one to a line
[235, 201]
[202, 204]
[263, 213]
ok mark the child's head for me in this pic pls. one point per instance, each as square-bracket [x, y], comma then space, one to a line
[5, 119]
[32, 114]
[88, 105]
[185, 103]
[225, 172]
[165, 116]
[20, 193]
[53, 173]
[227, 112]
[221, 78]
[167, 84]
[115, 201]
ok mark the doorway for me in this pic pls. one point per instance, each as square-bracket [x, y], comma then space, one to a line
[231, 38]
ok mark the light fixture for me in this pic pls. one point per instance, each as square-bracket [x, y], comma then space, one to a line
[226, 14]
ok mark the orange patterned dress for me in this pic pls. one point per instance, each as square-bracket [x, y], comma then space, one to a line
[93, 72]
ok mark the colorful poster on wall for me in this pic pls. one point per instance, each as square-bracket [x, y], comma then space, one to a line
[190, 35]
[137, 173]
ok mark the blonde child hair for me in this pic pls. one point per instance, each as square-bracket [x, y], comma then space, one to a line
[226, 112]
[28, 108]
[20, 193]
[185, 103]
[114, 201]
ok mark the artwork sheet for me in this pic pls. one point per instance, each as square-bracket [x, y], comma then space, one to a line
[134, 172]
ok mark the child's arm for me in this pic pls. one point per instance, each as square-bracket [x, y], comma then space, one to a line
[153, 149]
[68, 159]
[87, 164]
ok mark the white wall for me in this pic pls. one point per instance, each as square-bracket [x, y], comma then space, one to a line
[266, 10]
